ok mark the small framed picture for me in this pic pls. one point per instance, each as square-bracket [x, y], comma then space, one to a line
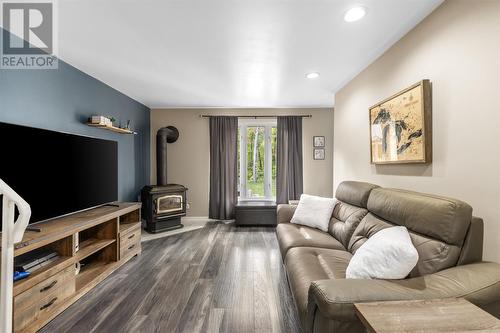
[319, 154]
[319, 141]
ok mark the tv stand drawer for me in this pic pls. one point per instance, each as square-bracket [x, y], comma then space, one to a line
[43, 306]
[130, 242]
[44, 288]
[130, 249]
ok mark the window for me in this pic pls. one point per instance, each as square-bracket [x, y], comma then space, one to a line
[257, 159]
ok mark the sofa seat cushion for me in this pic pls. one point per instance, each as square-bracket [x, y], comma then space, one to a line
[307, 264]
[294, 235]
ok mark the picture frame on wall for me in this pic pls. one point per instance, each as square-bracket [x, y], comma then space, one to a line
[318, 154]
[318, 141]
[401, 127]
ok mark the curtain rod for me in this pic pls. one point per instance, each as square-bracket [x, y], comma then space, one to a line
[255, 117]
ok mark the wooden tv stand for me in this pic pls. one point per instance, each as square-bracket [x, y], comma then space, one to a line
[107, 237]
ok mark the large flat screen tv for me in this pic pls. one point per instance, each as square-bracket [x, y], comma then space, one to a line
[58, 173]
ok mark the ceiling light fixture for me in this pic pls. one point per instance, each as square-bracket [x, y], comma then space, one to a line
[312, 75]
[355, 14]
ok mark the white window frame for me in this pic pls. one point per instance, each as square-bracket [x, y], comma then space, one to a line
[243, 125]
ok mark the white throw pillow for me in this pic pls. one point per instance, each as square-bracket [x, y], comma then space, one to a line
[314, 212]
[389, 254]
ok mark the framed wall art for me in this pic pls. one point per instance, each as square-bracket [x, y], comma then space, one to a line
[400, 127]
[319, 141]
[319, 154]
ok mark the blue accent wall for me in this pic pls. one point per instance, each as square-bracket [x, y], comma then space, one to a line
[62, 99]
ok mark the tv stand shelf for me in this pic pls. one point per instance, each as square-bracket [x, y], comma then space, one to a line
[90, 273]
[91, 246]
[98, 241]
[41, 274]
[125, 227]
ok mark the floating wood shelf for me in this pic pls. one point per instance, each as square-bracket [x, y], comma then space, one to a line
[113, 128]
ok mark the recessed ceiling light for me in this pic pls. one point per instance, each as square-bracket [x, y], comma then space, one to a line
[355, 14]
[313, 75]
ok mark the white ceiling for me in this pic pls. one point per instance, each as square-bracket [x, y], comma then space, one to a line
[230, 53]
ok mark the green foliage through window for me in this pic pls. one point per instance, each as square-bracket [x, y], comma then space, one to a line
[255, 160]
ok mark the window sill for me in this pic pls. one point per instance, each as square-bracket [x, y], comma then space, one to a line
[259, 203]
[257, 200]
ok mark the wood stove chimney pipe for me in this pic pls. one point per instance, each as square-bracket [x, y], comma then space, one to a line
[165, 135]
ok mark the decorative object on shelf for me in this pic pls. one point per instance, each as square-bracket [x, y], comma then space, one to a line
[107, 123]
[400, 127]
[319, 154]
[319, 141]
[112, 119]
[100, 120]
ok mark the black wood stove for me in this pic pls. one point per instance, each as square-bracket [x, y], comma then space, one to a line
[164, 204]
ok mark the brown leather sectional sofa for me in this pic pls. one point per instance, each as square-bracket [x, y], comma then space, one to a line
[449, 241]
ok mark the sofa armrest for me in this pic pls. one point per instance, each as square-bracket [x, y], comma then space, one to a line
[285, 213]
[479, 283]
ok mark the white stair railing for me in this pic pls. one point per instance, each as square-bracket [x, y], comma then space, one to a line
[12, 232]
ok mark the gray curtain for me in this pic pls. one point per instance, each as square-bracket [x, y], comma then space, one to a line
[289, 179]
[223, 167]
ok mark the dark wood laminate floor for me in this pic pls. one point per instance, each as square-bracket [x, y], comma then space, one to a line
[220, 278]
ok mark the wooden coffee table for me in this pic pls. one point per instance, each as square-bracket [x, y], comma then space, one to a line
[440, 315]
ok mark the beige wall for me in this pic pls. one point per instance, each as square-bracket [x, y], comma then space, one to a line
[188, 158]
[457, 47]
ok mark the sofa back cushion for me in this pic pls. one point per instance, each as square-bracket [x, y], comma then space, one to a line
[354, 193]
[437, 225]
[345, 219]
[350, 209]
[472, 250]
